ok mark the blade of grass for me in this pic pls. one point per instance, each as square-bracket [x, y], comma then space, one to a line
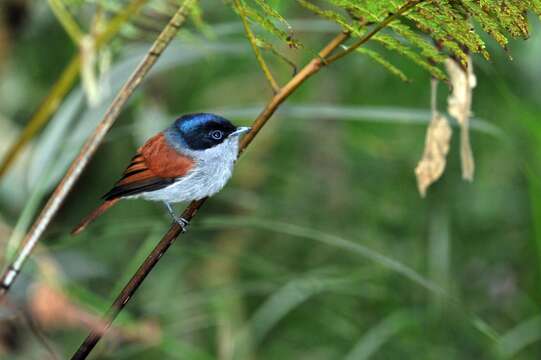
[524, 334]
[354, 247]
[378, 335]
[329, 239]
[286, 299]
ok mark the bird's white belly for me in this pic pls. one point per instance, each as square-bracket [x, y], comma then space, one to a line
[210, 174]
[200, 183]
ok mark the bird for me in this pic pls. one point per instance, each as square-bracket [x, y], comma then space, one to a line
[191, 159]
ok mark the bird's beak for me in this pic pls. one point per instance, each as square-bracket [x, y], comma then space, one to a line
[240, 130]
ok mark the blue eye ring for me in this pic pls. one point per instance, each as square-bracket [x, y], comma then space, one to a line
[216, 134]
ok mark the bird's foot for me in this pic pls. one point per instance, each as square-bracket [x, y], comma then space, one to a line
[183, 223]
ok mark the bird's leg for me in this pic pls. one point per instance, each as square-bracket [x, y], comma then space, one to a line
[183, 223]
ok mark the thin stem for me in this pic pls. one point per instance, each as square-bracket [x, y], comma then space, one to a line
[380, 26]
[253, 41]
[64, 83]
[91, 145]
[66, 19]
[175, 230]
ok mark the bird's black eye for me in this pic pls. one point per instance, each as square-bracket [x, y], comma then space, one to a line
[217, 134]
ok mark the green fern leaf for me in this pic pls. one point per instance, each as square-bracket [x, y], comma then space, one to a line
[433, 29]
[455, 24]
[393, 44]
[487, 22]
[374, 55]
[428, 50]
[331, 15]
[512, 17]
[269, 26]
[271, 12]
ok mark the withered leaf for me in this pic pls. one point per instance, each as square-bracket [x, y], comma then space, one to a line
[459, 106]
[432, 164]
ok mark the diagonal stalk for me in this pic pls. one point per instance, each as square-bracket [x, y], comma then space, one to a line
[174, 231]
[91, 145]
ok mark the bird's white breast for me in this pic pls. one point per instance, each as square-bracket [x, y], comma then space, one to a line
[213, 168]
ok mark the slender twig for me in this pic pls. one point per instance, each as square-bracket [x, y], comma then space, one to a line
[90, 146]
[64, 83]
[407, 6]
[253, 41]
[174, 231]
[66, 19]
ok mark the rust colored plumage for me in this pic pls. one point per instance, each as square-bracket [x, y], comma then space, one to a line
[155, 166]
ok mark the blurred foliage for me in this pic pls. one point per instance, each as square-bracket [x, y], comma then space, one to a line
[320, 247]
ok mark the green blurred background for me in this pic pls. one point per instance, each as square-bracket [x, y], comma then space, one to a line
[320, 247]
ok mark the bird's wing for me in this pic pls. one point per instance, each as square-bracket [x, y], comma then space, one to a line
[155, 166]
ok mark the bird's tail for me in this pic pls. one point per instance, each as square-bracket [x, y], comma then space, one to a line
[93, 215]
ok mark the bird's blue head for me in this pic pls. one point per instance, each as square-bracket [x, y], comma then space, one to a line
[202, 131]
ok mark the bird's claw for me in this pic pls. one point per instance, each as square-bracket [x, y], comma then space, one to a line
[183, 223]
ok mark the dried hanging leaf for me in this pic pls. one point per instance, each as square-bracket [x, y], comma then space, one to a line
[459, 106]
[432, 164]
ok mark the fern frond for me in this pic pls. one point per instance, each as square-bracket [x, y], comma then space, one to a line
[393, 44]
[374, 55]
[455, 24]
[331, 15]
[487, 22]
[271, 12]
[425, 31]
[269, 26]
[433, 29]
[428, 50]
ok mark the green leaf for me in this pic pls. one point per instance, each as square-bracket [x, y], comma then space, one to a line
[487, 22]
[393, 44]
[333, 16]
[270, 11]
[269, 26]
[374, 55]
[428, 50]
[433, 29]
